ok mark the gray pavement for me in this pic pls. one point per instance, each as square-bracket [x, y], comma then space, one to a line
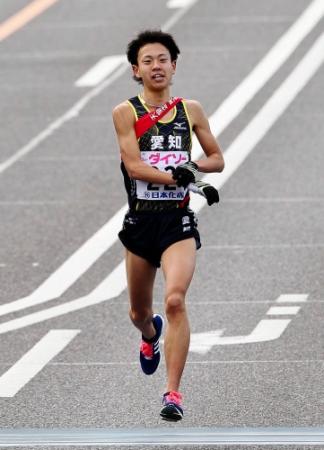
[263, 240]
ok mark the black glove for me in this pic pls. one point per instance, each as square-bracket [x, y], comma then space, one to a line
[206, 190]
[185, 174]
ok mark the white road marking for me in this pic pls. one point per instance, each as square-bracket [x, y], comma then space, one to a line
[267, 116]
[71, 114]
[79, 106]
[34, 360]
[234, 156]
[84, 257]
[283, 310]
[111, 287]
[174, 436]
[179, 3]
[265, 331]
[267, 67]
[55, 285]
[101, 70]
[292, 298]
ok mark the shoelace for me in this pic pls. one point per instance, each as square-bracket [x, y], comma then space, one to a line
[147, 349]
[173, 397]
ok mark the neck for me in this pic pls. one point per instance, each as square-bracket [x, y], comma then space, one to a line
[155, 99]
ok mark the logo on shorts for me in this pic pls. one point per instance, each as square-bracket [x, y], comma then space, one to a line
[185, 220]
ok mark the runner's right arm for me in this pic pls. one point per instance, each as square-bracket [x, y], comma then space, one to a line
[124, 121]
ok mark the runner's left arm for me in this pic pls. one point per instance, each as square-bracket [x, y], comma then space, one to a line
[214, 161]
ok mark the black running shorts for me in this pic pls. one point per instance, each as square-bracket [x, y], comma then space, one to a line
[149, 233]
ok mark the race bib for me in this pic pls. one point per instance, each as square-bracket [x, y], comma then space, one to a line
[164, 161]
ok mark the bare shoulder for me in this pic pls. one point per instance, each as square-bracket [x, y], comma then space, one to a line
[123, 115]
[193, 104]
[195, 110]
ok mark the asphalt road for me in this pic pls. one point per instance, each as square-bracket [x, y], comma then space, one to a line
[263, 245]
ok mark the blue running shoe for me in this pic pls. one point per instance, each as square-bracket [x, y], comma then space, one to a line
[172, 410]
[150, 351]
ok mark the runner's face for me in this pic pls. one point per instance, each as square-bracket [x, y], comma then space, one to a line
[154, 66]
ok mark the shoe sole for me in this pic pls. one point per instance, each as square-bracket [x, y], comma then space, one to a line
[170, 414]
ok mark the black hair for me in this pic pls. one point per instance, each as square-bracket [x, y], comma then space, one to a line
[151, 37]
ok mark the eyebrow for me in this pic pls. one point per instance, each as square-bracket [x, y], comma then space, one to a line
[150, 56]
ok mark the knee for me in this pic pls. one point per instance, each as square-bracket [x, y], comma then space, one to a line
[174, 303]
[140, 317]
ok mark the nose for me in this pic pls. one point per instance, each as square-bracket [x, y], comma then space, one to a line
[156, 64]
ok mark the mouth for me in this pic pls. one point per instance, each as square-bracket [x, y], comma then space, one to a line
[158, 77]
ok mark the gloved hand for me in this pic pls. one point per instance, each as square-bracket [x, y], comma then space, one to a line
[185, 173]
[206, 190]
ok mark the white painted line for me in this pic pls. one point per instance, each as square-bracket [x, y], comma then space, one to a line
[283, 310]
[105, 67]
[34, 360]
[109, 288]
[231, 107]
[267, 116]
[179, 3]
[177, 16]
[234, 156]
[167, 436]
[267, 67]
[80, 261]
[71, 114]
[292, 298]
[72, 268]
[76, 109]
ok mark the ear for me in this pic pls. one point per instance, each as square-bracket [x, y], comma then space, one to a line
[174, 66]
[135, 70]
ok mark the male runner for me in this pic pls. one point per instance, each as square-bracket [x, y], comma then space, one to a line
[159, 227]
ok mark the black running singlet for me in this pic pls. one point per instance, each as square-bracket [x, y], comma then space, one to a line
[164, 146]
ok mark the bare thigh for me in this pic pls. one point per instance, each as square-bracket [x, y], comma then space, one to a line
[140, 280]
[178, 264]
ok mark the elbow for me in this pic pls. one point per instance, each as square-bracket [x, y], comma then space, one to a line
[222, 165]
[132, 171]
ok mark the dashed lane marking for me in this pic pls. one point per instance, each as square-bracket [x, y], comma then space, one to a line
[283, 310]
[179, 3]
[292, 298]
[101, 70]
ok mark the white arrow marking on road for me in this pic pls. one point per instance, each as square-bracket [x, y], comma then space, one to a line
[266, 330]
[101, 241]
[34, 360]
[105, 67]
